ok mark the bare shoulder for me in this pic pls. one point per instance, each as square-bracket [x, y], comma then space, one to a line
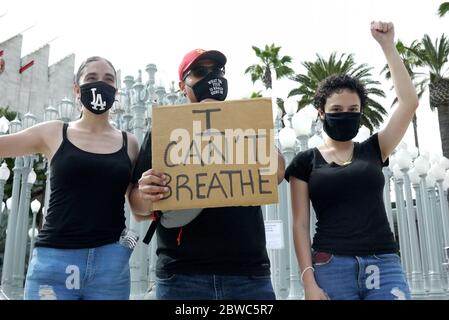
[50, 126]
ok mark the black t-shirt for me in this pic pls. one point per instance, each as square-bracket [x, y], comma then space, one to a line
[348, 200]
[226, 240]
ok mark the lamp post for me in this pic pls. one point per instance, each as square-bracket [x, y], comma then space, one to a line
[28, 179]
[302, 122]
[35, 206]
[139, 258]
[287, 139]
[404, 161]
[13, 205]
[435, 286]
[20, 240]
[446, 249]
[402, 221]
[438, 172]
[416, 180]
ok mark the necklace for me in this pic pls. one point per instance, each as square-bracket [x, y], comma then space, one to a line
[348, 161]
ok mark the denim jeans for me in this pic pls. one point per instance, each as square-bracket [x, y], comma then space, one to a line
[100, 273]
[214, 287]
[374, 277]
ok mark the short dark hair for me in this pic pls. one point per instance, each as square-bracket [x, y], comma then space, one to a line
[337, 83]
[86, 62]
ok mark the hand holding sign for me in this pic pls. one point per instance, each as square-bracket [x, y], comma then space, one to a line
[215, 154]
[152, 185]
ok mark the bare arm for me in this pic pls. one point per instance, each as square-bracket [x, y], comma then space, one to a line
[141, 202]
[301, 237]
[36, 139]
[281, 166]
[395, 130]
[149, 189]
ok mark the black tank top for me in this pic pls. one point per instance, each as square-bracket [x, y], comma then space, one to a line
[87, 198]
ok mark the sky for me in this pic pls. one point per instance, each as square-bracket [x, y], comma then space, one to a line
[134, 33]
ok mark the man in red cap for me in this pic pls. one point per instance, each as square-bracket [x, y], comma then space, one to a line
[210, 253]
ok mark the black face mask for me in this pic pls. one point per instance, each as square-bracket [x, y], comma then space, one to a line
[342, 126]
[213, 86]
[98, 97]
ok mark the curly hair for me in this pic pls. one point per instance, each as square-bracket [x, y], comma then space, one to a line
[336, 83]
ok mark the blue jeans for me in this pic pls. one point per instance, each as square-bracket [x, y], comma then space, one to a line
[374, 277]
[100, 273]
[214, 287]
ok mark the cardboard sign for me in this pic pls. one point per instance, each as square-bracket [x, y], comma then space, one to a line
[215, 154]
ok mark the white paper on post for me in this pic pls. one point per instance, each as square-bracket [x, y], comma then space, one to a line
[274, 233]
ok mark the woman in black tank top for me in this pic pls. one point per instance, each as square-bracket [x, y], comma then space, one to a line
[78, 254]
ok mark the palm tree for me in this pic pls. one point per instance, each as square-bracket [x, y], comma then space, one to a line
[269, 60]
[443, 9]
[434, 56]
[257, 94]
[320, 69]
[419, 80]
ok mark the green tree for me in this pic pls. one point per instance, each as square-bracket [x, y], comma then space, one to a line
[434, 57]
[321, 68]
[270, 60]
[443, 9]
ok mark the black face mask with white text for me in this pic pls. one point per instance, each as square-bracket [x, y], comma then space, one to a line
[342, 126]
[98, 97]
[213, 86]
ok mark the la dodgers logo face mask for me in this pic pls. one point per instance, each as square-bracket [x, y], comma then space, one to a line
[98, 97]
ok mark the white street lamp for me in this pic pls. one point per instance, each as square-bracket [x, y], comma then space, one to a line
[302, 124]
[437, 172]
[414, 152]
[422, 165]
[29, 120]
[33, 235]
[444, 162]
[9, 203]
[4, 125]
[35, 206]
[310, 111]
[315, 141]
[362, 135]
[403, 158]
[397, 173]
[15, 126]
[4, 172]
[66, 110]
[287, 138]
[51, 113]
[32, 177]
[290, 106]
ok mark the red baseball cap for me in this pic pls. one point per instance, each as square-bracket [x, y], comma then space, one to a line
[200, 54]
